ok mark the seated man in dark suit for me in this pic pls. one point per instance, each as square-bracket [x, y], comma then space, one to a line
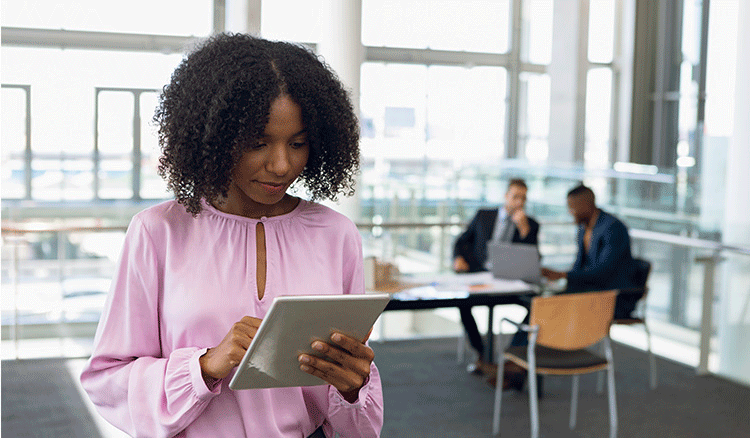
[506, 224]
[604, 261]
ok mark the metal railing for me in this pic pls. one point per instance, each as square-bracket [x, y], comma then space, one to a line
[426, 245]
[715, 250]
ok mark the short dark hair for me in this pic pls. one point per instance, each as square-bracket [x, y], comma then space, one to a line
[583, 191]
[218, 102]
[517, 182]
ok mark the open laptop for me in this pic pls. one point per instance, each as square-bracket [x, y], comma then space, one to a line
[515, 261]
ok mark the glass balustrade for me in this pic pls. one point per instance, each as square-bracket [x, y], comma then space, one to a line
[55, 281]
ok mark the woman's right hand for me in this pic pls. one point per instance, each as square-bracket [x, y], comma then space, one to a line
[219, 361]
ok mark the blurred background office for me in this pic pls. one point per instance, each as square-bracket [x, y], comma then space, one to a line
[645, 102]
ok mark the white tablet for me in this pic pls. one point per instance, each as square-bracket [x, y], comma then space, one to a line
[291, 325]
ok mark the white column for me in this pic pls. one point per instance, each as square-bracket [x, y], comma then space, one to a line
[219, 18]
[341, 48]
[734, 320]
[252, 16]
[563, 71]
[243, 16]
[625, 91]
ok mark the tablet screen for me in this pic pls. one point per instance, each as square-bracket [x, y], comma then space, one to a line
[291, 325]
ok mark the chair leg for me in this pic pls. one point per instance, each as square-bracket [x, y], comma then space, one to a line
[574, 402]
[461, 348]
[600, 376]
[651, 358]
[498, 398]
[498, 390]
[533, 398]
[612, 403]
[611, 390]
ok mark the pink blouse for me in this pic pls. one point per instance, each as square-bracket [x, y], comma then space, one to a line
[181, 284]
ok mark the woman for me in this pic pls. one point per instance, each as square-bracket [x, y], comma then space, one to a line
[242, 120]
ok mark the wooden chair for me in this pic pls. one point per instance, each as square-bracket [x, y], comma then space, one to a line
[560, 329]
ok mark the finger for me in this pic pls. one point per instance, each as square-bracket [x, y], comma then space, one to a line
[353, 346]
[248, 325]
[358, 364]
[343, 358]
[331, 373]
[251, 321]
[242, 332]
[238, 339]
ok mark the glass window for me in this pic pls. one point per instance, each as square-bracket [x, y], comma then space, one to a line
[115, 128]
[601, 31]
[393, 100]
[115, 119]
[415, 111]
[61, 177]
[419, 125]
[537, 24]
[163, 17]
[469, 25]
[13, 134]
[466, 112]
[152, 185]
[291, 20]
[62, 111]
[598, 117]
[533, 116]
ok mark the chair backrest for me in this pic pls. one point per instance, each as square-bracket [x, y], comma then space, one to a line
[573, 321]
[642, 270]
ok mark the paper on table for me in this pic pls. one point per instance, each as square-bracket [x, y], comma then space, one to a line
[445, 286]
[451, 281]
[499, 285]
[431, 292]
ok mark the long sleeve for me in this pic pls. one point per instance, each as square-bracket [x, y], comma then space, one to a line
[532, 238]
[465, 241]
[181, 284]
[363, 418]
[131, 384]
[612, 247]
[472, 243]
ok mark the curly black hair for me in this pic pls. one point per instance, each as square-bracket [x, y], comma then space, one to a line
[218, 102]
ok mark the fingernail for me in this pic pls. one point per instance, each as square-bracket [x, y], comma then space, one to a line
[318, 346]
[304, 359]
[336, 337]
[304, 368]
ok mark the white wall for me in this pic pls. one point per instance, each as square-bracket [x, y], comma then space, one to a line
[734, 318]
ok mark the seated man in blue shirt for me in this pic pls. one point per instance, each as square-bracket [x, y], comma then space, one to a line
[604, 261]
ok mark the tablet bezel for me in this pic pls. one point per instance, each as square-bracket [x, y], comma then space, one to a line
[289, 327]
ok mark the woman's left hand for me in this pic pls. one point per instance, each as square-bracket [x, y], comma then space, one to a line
[345, 364]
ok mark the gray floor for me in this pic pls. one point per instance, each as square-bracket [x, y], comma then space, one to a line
[40, 399]
[428, 394]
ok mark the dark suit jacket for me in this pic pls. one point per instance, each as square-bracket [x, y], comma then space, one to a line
[607, 265]
[472, 244]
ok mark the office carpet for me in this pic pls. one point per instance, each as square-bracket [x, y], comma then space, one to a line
[40, 400]
[428, 394]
